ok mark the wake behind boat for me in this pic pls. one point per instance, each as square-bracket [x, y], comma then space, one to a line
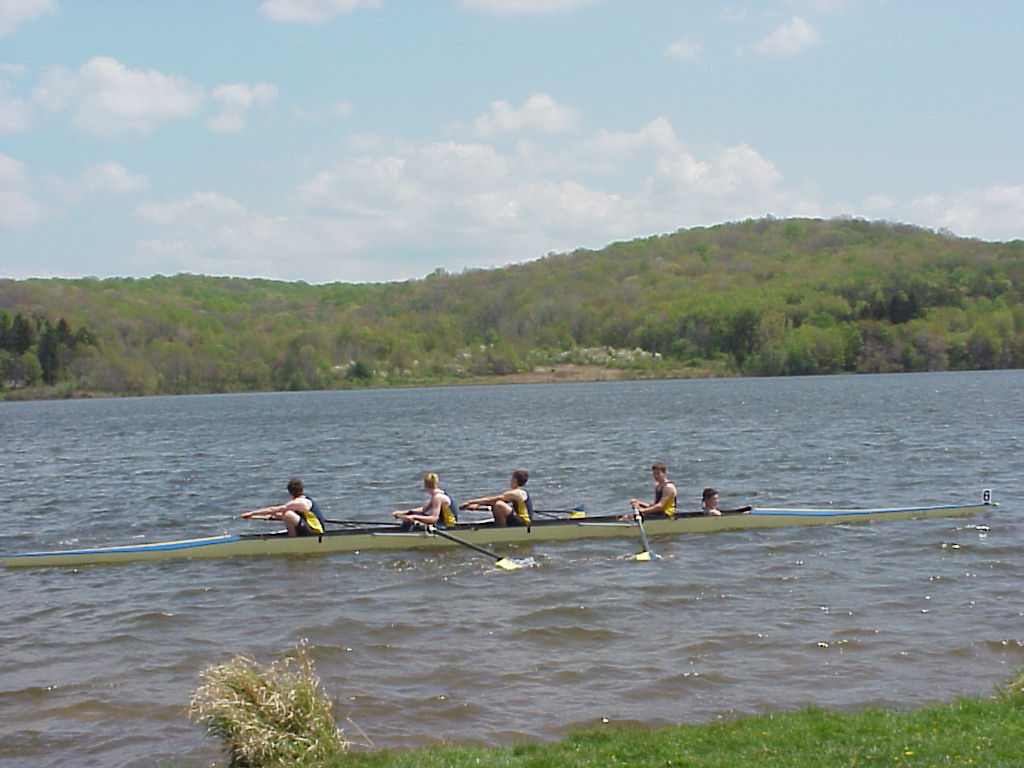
[365, 536]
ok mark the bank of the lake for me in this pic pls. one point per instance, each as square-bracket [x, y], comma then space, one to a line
[966, 732]
[560, 373]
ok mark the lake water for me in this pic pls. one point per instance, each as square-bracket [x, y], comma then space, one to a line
[98, 664]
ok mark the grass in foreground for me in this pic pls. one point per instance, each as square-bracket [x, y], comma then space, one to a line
[965, 733]
[968, 732]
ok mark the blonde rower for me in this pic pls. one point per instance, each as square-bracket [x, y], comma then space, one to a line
[438, 510]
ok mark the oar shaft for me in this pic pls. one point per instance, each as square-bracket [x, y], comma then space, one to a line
[646, 554]
[444, 535]
[643, 533]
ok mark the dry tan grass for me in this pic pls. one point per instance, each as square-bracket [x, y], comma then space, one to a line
[279, 715]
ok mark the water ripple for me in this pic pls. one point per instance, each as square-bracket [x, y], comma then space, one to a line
[427, 647]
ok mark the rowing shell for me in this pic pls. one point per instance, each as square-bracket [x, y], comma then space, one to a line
[369, 537]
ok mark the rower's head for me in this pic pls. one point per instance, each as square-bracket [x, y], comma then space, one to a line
[430, 481]
[519, 478]
[710, 498]
[658, 471]
[295, 487]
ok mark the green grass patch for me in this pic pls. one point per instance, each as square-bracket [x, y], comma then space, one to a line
[968, 732]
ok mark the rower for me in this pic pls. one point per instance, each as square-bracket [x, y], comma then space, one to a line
[301, 516]
[664, 504]
[438, 511]
[709, 502]
[511, 507]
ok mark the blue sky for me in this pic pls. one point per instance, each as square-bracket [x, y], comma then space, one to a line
[371, 140]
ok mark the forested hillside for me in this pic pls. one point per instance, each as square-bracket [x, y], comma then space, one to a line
[764, 297]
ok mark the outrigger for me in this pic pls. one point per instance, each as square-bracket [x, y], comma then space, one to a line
[553, 525]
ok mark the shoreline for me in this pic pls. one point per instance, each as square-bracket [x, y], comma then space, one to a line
[966, 731]
[563, 373]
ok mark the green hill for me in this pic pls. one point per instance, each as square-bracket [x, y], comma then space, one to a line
[760, 297]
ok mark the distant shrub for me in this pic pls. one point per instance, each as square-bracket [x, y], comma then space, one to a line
[274, 716]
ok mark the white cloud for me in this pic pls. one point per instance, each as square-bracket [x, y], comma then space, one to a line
[385, 204]
[342, 108]
[15, 12]
[993, 213]
[402, 176]
[200, 206]
[236, 100]
[623, 153]
[25, 202]
[312, 11]
[742, 169]
[15, 113]
[514, 7]
[110, 178]
[684, 49]
[539, 113]
[393, 201]
[18, 207]
[95, 182]
[108, 98]
[789, 38]
[209, 233]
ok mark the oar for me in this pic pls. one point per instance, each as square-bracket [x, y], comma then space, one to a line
[574, 513]
[502, 562]
[646, 554]
[380, 523]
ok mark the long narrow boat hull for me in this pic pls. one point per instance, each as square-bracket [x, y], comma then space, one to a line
[368, 537]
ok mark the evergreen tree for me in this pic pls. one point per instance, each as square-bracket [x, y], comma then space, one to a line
[64, 335]
[5, 331]
[22, 335]
[48, 353]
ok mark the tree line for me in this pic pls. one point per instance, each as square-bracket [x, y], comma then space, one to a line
[759, 297]
[34, 350]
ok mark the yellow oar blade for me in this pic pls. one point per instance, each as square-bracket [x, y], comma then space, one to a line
[506, 564]
[642, 556]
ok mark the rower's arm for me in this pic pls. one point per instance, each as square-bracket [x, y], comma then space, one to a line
[484, 501]
[277, 510]
[667, 494]
[265, 512]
